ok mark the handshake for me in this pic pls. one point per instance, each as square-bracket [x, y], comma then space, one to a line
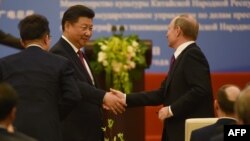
[115, 101]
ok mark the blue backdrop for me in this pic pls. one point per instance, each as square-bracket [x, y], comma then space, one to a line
[224, 25]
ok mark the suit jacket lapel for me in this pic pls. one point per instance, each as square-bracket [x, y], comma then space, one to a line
[75, 59]
[177, 61]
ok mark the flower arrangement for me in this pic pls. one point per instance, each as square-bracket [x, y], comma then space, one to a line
[118, 56]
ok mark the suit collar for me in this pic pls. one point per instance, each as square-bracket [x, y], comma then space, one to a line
[72, 45]
[225, 121]
[34, 47]
[182, 47]
[72, 54]
[170, 73]
[69, 50]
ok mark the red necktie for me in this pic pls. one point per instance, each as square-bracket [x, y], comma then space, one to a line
[81, 57]
[171, 63]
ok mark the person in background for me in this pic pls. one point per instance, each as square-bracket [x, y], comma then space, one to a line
[8, 105]
[242, 109]
[10, 40]
[186, 92]
[242, 106]
[43, 81]
[85, 121]
[224, 107]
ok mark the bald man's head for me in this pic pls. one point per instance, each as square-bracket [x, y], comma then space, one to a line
[227, 95]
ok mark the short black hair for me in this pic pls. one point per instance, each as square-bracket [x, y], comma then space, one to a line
[8, 99]
[73, 13]
[34, 26]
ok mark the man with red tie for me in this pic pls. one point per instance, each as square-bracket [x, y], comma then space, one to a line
[85, 122]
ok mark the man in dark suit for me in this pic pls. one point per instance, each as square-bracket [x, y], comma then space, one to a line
[85, 122]
[8, 103]
[10, 40]
[224, 107]
[43, 81]
[242, 110]
[186, 92]
[242, 106]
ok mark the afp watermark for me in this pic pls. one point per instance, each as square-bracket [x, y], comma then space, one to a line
[237, 132]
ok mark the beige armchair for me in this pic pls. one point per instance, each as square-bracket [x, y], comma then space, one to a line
[195, 123]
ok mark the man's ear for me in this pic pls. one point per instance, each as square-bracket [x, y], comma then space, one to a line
[178, 31]
[22, 42]
[216, 105]
[47, 39]
[12, 117]
[66, 25]
[46, 42]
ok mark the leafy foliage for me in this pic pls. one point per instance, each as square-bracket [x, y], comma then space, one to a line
[118, 56]
[119, 136]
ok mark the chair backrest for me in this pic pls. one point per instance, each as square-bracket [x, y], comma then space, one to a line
[195, 123]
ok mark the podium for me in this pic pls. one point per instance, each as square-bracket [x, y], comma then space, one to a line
[131, 123]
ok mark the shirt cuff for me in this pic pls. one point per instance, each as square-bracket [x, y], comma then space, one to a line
[170, 111]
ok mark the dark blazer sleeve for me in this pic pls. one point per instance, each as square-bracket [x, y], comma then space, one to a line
[10, 40]
[70, 92]
[150, 98]
[90, 93]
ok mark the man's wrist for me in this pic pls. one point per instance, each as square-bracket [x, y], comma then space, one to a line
[170, 112]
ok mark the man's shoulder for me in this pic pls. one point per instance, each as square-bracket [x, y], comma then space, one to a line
[23, 137]
[10, 57]
[59, 45]
[204, 129]
[56, 46]
[17, 136]
[57, 57]
[193, 47]
[59, 48]
[62, 50]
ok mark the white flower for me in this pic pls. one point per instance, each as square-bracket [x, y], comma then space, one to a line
[104, 47]
[116, 66]
[135, 43]
[130, 49]
[125, 67]
[105, 63]
[101, 56]
[131, 64]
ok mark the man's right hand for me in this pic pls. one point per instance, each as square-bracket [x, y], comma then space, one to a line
[114, 102]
